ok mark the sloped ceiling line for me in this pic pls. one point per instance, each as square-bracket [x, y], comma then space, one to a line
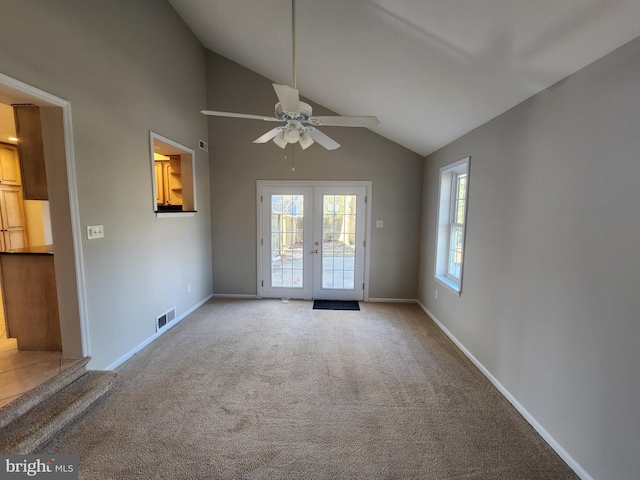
[430, 70]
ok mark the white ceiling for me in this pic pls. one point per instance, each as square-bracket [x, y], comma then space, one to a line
[431, 70]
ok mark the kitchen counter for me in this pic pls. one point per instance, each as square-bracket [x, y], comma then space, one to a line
[37, 250]
[30, 298]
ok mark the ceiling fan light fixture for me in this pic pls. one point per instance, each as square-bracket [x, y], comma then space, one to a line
[291, 133]
[305, 140]
[280, 140]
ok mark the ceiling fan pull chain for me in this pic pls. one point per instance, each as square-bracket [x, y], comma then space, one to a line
[293, 157]
[293, 165]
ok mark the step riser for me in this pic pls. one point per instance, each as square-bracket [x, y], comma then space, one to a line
[39, 394]
[33, 429]
[40, 437]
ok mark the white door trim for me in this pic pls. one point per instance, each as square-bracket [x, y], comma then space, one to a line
[313, 183]
[19, 92]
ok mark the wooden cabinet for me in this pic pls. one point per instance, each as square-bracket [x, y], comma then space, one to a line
[31, 152]
[31, 300]
[12, 218]
[168, 182]
[12, 221]
[9, 166]
[159, 167]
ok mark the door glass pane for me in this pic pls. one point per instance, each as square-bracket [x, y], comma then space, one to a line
[338, 241]
[287, 214]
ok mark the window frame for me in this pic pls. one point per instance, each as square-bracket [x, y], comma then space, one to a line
[448, 210]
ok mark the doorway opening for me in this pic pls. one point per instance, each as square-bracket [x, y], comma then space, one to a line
[60, 236]
[312, 239]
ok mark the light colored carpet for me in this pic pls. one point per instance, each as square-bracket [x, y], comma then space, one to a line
[267, 390]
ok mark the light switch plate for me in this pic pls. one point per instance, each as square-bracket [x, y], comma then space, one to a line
[95, 231]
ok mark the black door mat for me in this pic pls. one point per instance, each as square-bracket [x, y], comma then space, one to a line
[335, 305]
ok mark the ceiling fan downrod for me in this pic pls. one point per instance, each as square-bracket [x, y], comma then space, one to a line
[293, 40]
[301, 125]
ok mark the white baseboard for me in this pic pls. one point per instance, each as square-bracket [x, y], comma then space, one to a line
[373, 300]
[392, 300]
[234, 295]
[170, 325]
[568, 459]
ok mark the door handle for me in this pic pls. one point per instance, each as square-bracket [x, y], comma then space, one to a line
[316, 251]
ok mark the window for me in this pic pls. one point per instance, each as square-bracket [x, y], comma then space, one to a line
[452, 216]
[172, 166]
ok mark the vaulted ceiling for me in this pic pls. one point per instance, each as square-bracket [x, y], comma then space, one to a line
[431, 70]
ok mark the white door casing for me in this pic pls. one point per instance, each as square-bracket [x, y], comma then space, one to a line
[313, 238]
[12, 90]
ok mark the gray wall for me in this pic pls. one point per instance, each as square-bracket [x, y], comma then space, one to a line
[126, 67]
[236, 164]
[550, 302]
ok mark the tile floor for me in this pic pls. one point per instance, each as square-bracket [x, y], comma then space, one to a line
[23, 371]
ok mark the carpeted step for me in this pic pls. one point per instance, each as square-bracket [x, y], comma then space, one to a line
[34, 397]
[32, 429]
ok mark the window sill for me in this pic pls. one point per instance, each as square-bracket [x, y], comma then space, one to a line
[450, 284]
[181, 213]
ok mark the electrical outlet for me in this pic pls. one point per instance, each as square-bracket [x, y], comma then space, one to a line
[436, 294]
[379, 223]
[95, 231]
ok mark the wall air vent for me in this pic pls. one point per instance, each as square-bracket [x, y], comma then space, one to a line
[165, 318]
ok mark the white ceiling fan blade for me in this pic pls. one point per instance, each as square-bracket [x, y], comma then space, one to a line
[269, 135]
[323, 139]
[239, 115]
[289, 98]
[368, 122]
[305, 140]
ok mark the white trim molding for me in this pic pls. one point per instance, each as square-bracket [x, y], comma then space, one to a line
[153, 337]
[15, 91]
[367, 184]
[450, 218]
[393, 300]
[236, 296]
[568, 459]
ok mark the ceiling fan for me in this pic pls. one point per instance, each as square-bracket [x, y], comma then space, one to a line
[300, 125]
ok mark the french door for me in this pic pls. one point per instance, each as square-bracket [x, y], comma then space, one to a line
[312, 240]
